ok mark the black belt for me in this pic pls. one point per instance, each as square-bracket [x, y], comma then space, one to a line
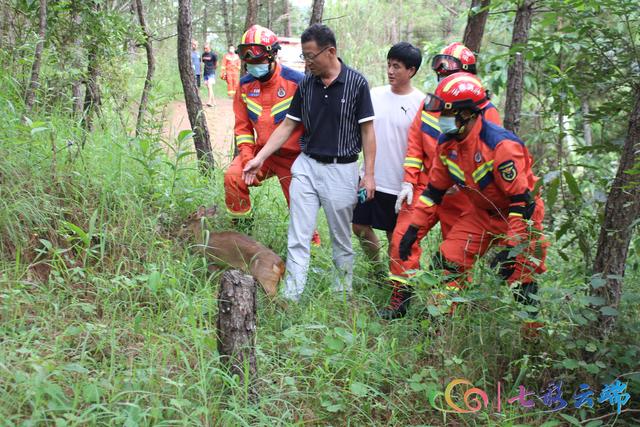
[329, 159]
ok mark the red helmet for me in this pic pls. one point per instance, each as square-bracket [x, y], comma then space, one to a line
[457, 92]
[454, 58]
[257, 44]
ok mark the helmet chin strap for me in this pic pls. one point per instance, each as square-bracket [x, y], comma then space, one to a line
[463, 121]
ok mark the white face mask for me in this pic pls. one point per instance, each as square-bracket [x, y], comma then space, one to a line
[258, 70]
[448, 125]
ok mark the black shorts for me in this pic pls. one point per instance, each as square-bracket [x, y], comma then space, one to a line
[379, 213]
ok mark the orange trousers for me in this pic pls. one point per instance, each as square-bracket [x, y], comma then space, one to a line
[237, 191]
[233, 79]
[477, 230]
[452, 208]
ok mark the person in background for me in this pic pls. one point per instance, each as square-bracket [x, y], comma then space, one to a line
[230, 70]
[395, 105]
[195, 61]
[210, 61]
[333, 103]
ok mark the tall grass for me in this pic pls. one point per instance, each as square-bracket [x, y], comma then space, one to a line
[108, 319]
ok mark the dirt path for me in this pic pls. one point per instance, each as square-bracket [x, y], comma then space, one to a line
[219, 120]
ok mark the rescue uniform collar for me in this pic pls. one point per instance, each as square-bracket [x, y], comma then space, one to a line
[273, 78]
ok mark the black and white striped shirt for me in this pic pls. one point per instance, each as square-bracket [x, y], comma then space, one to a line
[332, 114]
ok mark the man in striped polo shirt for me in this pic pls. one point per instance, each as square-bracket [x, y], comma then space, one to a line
[334, 105]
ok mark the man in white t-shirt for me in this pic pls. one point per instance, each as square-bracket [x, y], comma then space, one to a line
[395, 106]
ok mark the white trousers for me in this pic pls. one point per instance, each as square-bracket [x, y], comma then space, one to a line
[333, 186]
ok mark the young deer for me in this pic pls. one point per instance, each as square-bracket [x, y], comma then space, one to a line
[230, 248]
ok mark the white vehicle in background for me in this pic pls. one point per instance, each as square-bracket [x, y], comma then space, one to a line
[290, 51]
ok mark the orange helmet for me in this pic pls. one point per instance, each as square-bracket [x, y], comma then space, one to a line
[457, 92]
[257, 44]
[454, 58]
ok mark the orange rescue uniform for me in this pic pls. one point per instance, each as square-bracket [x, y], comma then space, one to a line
[493, 168]
[230, 71]
[259, 108]
[421, 150]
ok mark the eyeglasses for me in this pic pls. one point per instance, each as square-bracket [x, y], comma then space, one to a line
[311, 56]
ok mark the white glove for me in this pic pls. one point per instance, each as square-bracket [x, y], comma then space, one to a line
[405, 194]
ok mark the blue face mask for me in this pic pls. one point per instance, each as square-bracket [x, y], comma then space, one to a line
[448, 125]
[258, 70]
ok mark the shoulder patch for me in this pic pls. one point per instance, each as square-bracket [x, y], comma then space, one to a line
[492, 134]
[291, 74]
[508, 170]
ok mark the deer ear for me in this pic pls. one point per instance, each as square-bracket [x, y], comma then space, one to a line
[211, 211]
[200, 212]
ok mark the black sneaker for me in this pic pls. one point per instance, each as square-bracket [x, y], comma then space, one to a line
[400, 299]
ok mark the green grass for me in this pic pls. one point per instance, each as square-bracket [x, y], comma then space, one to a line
[122, 331]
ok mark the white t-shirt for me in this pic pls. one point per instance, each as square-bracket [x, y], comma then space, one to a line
[394, 114]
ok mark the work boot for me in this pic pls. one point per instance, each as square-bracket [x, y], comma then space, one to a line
[400, 299]
[315, 239]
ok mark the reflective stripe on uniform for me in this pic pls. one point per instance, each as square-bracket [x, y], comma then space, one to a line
[454, 169]
[430, 120]
[238, 214]
[412, 162]
[427, 201]
[399, 279]
[245, 139]
[281, 106]
[481, 171]
[252, 106]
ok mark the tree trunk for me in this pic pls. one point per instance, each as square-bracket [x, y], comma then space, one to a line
[515, 73]
[191, 97]
[151, 64]
[620, 215]
[227, 27]
[393, 30]
[269, 13]
[205, 20]
[34, 83]
[237, 327]
[76, 61]
[586, 121]
[316, 12]
[287, 18]
[252, 14]
[92, 96]
[476, 21]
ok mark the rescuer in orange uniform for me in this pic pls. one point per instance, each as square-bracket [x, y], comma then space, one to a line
[492, 167]
[421, 147]
[230, 70]
[260, 105]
